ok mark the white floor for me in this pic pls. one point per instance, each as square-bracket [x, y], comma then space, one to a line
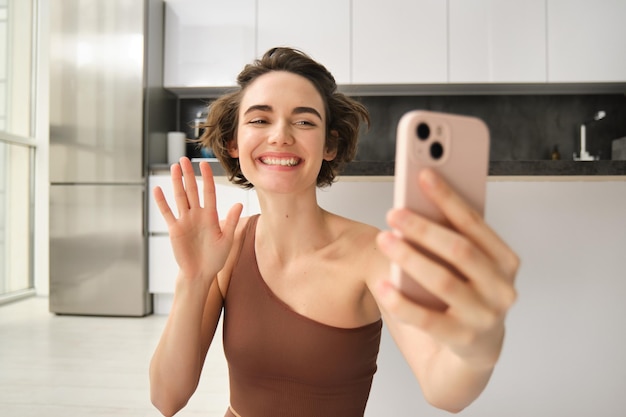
[75, 366]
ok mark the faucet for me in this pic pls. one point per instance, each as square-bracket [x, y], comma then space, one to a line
[584, 155]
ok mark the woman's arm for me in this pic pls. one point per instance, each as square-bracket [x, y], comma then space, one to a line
[178, 359]
[201, 246]
[452, 353]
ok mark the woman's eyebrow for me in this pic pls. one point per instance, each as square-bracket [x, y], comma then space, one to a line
[261, 107]
[311, 110]
[297, 110]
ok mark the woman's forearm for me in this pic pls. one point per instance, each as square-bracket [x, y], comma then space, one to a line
[177, 361]
[452, 383]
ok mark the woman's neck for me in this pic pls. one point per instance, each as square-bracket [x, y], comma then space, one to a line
[292, 225]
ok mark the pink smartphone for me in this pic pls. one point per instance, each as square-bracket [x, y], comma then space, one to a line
[457, 148]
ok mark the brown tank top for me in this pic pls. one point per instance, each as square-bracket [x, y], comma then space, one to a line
[282, 363]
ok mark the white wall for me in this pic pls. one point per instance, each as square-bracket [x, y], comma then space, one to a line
[564, 349]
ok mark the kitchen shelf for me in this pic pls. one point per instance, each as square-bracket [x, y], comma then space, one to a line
[510, 168]
[496, 168]
[558, 168]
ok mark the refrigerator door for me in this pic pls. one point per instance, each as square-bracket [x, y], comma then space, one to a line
[96, 90]
[97, 250]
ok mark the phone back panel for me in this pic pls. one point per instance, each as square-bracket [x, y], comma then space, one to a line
[463, 163]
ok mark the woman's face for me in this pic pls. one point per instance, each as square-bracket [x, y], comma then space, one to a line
[281, 133]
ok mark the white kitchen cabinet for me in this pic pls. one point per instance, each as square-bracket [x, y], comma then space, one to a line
[156, 224]
[399, 42]
[319, 28]
[497, 41]
[586, 41]
[207, 42]
[162, 267]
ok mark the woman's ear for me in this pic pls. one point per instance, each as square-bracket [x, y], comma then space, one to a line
[332, 142]
[233, 151]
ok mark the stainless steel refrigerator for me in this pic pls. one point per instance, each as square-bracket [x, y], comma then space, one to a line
[108, 120]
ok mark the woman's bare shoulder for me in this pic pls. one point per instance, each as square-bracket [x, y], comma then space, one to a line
[361, 237]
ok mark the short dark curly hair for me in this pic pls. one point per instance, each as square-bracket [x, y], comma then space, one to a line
[344, 114]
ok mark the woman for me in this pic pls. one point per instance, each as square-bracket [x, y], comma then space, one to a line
[304, 291]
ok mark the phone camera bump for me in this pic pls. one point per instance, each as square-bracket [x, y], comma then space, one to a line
[436, 150]
[423, 131]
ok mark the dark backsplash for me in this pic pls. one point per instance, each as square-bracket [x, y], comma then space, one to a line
[522, 127]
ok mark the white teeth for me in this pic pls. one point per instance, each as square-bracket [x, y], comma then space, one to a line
[286, 162]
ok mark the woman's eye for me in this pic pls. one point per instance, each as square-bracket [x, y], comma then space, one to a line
[305, 123]
[257, 121]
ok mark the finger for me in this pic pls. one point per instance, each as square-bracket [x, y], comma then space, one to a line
[180, 195]
[468, 221]
[442, 282]
[191, 185]
[164, 208]
[438, 324]
[208, 188]
[461, 254]
[441, 326]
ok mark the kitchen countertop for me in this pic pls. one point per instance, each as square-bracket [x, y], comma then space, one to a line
[496, 168]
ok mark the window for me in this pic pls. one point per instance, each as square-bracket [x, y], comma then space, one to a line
[17, 146]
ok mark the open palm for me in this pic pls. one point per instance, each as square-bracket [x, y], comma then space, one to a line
[200, 242]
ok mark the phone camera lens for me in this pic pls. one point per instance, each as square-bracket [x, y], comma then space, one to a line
[423, 131]
[436, 150]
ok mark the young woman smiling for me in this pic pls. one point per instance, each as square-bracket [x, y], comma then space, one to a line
[304, 291]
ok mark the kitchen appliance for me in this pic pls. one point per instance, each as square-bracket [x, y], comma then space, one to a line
[618, 149]
[109, 117]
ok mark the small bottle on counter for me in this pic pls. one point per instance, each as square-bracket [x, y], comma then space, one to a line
[555, 156]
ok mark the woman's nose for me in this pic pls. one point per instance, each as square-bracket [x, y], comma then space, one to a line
[281, 135]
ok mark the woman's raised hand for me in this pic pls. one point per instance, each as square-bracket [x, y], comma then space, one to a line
[201, 243]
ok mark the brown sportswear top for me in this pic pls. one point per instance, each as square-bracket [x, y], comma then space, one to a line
[282, 363]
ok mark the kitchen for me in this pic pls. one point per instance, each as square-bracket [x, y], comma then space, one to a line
[565, 225]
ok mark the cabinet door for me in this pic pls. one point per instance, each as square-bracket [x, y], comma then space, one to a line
[162, 266]
[156, 224]
[497, 41]
[207, 42]
[586, 41]
[319, 28]
[399, 42]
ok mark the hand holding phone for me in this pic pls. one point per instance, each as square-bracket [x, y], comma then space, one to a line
[457, 148]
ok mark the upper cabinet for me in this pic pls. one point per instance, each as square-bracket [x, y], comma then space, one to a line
[387, 42]
[399, 42]
[502, 41]
[320, 28]
[207, 42]
[586, 41]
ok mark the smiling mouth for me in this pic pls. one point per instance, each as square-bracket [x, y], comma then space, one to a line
[284, 162]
